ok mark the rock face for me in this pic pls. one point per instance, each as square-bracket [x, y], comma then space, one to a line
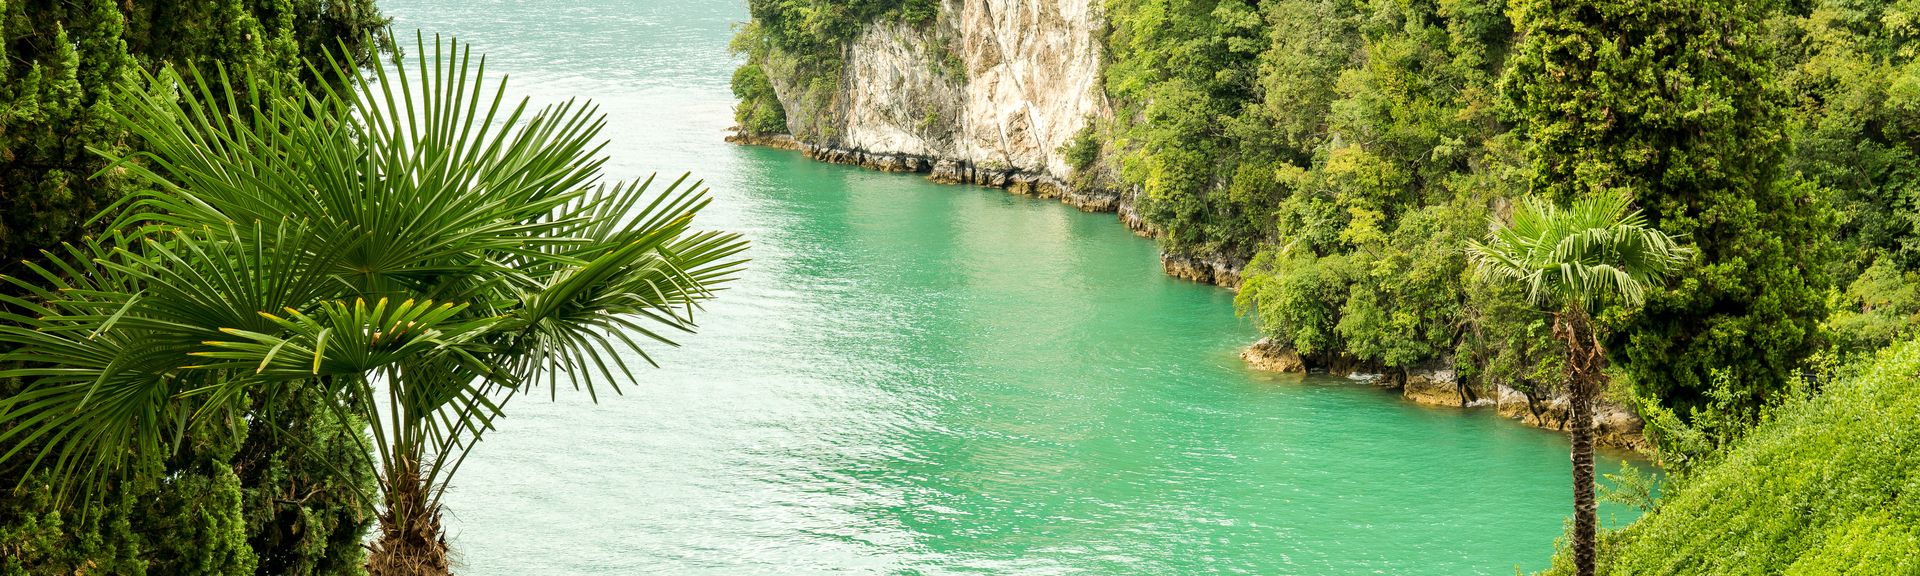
[987, 95]
[1614, 425]
[990, 94]
[1205, 270]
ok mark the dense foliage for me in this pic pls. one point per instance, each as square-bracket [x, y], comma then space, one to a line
[269, 500]
[815, 31]
[1594, 87]
[759, 111]
[63, 58]
[1850, 67]
[1349, 148]
[1346, 150]
[1826, 486]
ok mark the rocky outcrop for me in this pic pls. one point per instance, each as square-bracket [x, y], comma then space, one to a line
[1266, 355]
[1205, 270]
[1435, 387]
[988, 95]
[1615, 426]
[779, 141]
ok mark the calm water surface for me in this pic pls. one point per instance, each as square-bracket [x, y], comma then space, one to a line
[924, 379]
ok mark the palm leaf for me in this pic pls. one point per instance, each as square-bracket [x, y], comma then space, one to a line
[412, 234]
[1599, 250]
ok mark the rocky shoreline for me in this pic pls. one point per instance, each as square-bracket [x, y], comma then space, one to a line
[1615, 426]
[944, 171]
[1206, 270]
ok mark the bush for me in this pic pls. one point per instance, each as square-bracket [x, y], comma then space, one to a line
[759, 111]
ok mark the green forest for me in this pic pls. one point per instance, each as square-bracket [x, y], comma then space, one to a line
[1346, 151]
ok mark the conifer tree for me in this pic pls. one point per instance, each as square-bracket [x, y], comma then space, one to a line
[1674, 102]
[266, 501]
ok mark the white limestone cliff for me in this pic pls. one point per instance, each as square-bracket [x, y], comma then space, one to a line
[994, 86]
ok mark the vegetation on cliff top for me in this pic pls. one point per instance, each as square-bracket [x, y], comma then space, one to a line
[804, 42]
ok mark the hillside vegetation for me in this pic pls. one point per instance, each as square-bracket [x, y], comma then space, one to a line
[1828, 485]
[1347, 150]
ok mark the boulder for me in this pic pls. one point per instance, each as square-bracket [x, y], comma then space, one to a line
[1434, 387]
[1269, 356]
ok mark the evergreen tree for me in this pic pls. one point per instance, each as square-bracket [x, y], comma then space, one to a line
[266, 501]
[1675, 103]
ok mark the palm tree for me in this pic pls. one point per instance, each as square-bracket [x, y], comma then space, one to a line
[414, 245]
[1572, 262]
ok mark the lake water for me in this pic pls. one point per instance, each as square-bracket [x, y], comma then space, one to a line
[924, 379]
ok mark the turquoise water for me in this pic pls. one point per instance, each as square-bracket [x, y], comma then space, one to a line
[925, 379]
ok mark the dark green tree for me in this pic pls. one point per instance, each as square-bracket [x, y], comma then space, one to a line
[1676, 103]
[266, 500]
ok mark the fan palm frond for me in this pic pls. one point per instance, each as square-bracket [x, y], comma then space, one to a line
[1598, 250]
[412, 239]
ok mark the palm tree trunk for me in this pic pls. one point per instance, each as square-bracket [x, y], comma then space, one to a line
[1585, 361]
[1584, 513]
[410, 542]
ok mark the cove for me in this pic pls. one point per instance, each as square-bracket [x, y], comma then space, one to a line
[923, 379]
